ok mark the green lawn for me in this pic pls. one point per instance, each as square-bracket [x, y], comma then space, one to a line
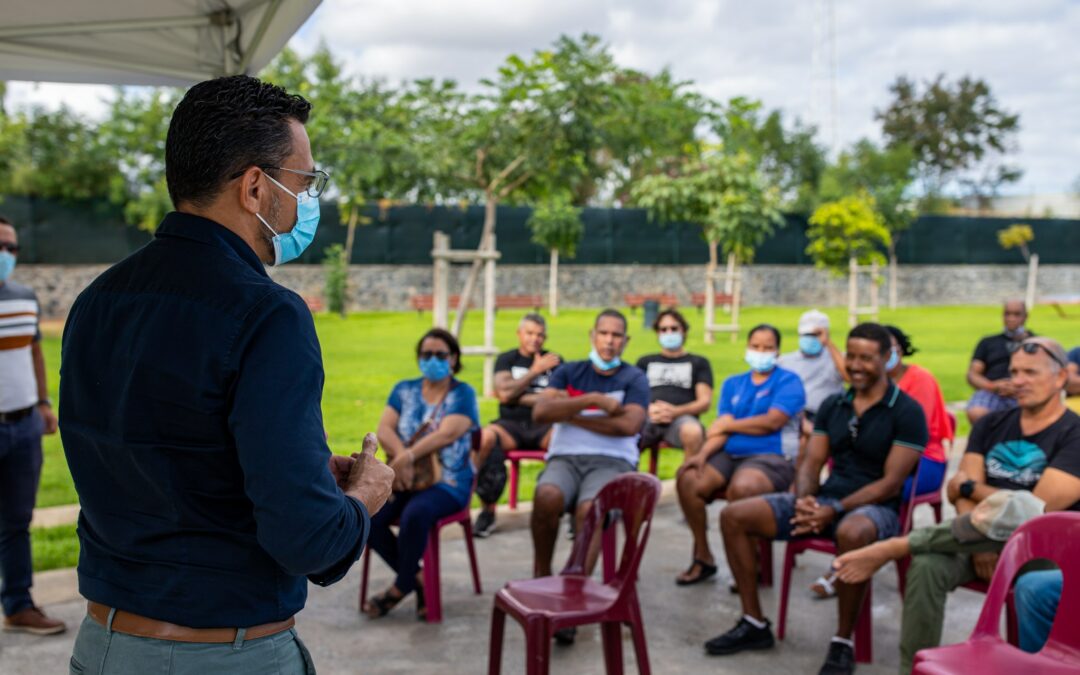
[366, 353]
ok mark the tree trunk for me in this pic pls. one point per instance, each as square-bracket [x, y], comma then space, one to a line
[710, 293]
[553, 284]
[893, 274]
[491, 203]
[346, 256]
[1032, 281]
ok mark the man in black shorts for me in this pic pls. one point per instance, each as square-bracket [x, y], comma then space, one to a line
[875, 434]
[519, 375]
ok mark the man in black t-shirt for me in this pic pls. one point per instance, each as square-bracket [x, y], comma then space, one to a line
[874, 434]
[989, 369]
[519, 375]
[680, 386]
[1034, 447]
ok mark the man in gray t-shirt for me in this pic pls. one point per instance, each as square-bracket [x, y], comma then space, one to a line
[818, 362]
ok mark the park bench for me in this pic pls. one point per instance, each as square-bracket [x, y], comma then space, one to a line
[635, 300]
[314, 303]
[721, 299]
[426, 302]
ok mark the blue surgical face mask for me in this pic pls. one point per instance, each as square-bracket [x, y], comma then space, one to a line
[601, 363]
[1020, 331]
[760, 362]
[7, 265]
[894, 360]
[671, 341]
[810, 345]
[435, 369]
[289, 245]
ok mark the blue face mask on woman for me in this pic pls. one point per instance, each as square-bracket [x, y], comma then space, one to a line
[435, 369]
[760, 362]
[7, 265]
[810, 345]
[894, 360]
[671, 341]
[601, 363]
[289, 245]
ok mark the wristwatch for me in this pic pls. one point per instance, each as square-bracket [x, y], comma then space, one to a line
[45, 401]
[967, 488]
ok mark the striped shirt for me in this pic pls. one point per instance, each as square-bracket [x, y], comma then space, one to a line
[18, 331]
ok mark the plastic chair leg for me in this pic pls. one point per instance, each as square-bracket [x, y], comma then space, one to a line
[467, 526]
[514, 466]
[498, 625]
[637, 632]
[654, 459]
[612, 635]
[937, 512]
[785, 587]
[765, 563]
[864, 628]
[537, 647]
[1012, 630]
[364, 577]
[432, 592]
[607, 553]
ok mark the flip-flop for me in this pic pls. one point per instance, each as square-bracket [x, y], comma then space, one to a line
[707, 571]
[823, 587]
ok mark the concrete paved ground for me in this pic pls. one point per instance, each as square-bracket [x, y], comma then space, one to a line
[678, 619]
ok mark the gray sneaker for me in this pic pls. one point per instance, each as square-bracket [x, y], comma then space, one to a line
[484, 525]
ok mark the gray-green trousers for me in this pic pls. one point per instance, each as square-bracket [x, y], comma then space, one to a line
[938, 565]
[100, 651]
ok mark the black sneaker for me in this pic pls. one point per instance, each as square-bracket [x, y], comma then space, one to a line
[840, 661]
[484, 525]
[565, 636]
[744, 635]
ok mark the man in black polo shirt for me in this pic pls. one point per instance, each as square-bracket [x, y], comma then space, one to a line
[988, 373]
[520, 374]
[874, 434]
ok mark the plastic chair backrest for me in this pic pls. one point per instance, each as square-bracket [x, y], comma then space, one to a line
[1054, 536]
[952, 425]
[907, 509]
[630, 498]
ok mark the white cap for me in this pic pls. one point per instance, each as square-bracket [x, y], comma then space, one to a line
[812, 322]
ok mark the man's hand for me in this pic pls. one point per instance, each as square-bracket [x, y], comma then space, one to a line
[48, 417]
[1004, 388]
[661, 412]
[952, 490]
[340, 467]
[542, 364]
[984, 564]
[823, 335]
[693, 463]
[811, 517]
[369, 480]
[606, 403]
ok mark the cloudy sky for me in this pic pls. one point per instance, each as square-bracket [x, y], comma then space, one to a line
[774, 50]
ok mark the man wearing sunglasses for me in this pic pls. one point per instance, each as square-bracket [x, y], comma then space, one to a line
[988, 373]
[190, 398]
[25, 414]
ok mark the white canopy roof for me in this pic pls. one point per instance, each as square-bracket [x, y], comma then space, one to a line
[143, 42]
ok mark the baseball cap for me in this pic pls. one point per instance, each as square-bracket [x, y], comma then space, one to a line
[812, 322]
[997, 516]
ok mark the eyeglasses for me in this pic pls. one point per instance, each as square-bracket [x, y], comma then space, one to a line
[669, 329]
[10, 248]
[316, 185]
[442, 356]
[1034, 347]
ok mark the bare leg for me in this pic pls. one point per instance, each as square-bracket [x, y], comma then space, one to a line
[854, 532]
[580, 514]
[859, 565]
[976, 413]
[740, 523]
[692, 437]
[692, 485]
[548, 504]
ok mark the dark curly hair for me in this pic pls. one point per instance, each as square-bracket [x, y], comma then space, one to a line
[451, 342]
[221, 128]
[874, 332]
[674, 314]
[765, 327]
[902, 339]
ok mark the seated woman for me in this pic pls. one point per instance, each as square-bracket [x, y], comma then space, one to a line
[425, 431]
[744, 450]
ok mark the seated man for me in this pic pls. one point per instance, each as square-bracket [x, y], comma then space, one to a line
[988, 373]
[598, 409]
[680, 385]
[1035, 447]
[874, 433]
[819, 363]
[744, 454]
[520, 375]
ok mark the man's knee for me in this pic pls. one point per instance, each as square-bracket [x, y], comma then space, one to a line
[855, 532]
[690, 434]
[930, 572]
[738, 516]
[548, 500]
[975, 413]
[743, 486]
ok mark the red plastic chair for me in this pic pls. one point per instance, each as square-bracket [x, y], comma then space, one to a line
[515, 457]
[1055, 536]
[654, 455]
[571, 598]
[432, 589]
[864, 625]
[934, 498]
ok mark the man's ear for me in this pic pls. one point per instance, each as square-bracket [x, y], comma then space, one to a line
[252, 190]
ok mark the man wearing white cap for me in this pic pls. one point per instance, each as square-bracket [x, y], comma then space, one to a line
[818, 362]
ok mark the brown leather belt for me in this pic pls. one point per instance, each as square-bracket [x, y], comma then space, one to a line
[141, 626]
[15, 415]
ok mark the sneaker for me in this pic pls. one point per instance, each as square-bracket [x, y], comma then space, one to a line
[565, 636]
[484, 525]
[744, 635]
[33, 620]
[840, 661]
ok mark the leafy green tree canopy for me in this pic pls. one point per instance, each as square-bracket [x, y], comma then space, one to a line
[847, 228]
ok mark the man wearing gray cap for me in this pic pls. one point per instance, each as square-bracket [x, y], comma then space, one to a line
[819, 364]
[1034, 448]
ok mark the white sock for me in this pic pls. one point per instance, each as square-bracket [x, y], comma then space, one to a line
[844, 641]
[756, 623]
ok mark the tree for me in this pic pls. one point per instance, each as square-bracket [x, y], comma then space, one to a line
[1017, 235]
[847, 228]
[557, 226]
[958, 131]
[727, 196]
[886, 175]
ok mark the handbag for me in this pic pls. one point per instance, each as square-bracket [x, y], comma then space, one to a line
[427, 470]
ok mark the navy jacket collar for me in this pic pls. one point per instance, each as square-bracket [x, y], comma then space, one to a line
[206, 231]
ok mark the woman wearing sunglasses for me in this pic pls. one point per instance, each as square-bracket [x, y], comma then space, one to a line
[425, 431]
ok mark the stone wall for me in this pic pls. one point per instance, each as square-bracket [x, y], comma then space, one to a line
[388, 287]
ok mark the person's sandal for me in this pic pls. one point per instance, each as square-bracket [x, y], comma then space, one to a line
[380, 605]
[824, 588]
[707, 571]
